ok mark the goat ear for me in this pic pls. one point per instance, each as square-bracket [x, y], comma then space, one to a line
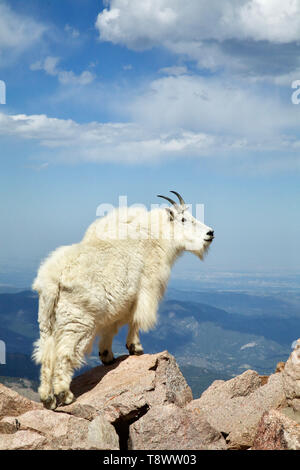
[171, 214]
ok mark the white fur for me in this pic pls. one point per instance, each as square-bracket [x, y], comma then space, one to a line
[115, 276]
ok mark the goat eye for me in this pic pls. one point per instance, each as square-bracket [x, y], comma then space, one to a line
[183, 220]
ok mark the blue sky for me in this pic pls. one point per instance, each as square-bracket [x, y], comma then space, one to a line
[139, 97]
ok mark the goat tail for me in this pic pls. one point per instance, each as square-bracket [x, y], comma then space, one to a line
[44, 347]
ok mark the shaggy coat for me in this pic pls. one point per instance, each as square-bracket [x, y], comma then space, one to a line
[115, 276]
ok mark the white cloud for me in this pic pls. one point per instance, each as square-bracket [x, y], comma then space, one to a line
[96, 141]
[68, 141]
[216, 107]
[248, 345]
[49, 65]
[131, 23]
[175, 116]
[174, 70]
[150, 22]
[17, 32]
[72, 31]
[283, 79]
[178, 115]
[271, 20]
[68, 77]
[234, 35]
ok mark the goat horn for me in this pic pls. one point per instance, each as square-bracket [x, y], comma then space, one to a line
[168, 199]
[179, 197]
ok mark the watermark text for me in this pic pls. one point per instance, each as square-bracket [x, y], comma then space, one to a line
[2, 352]
[163, 221]
[2, 92]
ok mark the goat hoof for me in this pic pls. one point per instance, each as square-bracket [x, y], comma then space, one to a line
[50, 403]
[108, 363]
[135, 350]
[106, 358]
[65, 397]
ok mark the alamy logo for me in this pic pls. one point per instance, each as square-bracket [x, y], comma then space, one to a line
[130, 221]
[2, 353]
[2, 92]
[295, 96]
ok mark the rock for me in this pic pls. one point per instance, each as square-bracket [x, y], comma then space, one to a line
[23, 440]
[144, 402]
[58, 431]
[129, 387]
[169, 427]
[84, 411]
[291, 378]
[280, 366]
[277, 431]
[101, 432]
[24, 387]
[234, 408]
[240, 386]
[170, 385]
[264, 379]
[108, 400]
[13, 404]
[8, 427]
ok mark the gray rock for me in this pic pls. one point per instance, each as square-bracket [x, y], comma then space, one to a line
[59, 431]
[13, 404]
[107, 398]
[144, 402]
[235, 407]
[129, 387]
[291, 378]
[170, 427]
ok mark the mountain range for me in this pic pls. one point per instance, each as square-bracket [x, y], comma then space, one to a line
[212, 334]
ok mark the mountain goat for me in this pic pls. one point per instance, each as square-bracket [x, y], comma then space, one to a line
[115, 276]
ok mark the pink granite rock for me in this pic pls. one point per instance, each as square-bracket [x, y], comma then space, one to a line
[13, 404]
[277, 430]
[129, 387]
[144, 402]
[108, 398]
[236, 406]
[58, 431]
[170, 427]
[291, 378]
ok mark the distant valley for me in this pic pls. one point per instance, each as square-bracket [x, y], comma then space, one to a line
[212, 334]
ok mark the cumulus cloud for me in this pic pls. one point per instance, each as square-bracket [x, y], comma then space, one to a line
[128, 142]
[17, 32]
[49, 65]
[144, 24]
[271, 20]
[240, 35]
[125, 142]
[217, 107]
[197, 117]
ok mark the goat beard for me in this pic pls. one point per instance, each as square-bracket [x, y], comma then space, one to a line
[203, 252]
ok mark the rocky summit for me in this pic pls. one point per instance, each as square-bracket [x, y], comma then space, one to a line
[144, 402]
